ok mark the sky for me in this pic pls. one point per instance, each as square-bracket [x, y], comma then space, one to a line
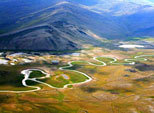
[151, 0]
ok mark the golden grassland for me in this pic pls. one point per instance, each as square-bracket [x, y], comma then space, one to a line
[114, 89]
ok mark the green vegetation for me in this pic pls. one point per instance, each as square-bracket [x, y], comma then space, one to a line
[59, 97]
[70, 86]
[35, 74]
[60, 81]
[105, 59]
[10, 76]
[109, 91]
[76, 77]
[149, 39]
[151, 96]
[110, 61]
[11, 79]
[57, 83]
[79, 63]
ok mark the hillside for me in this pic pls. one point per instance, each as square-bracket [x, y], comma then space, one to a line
[56, 36]
[72, 20]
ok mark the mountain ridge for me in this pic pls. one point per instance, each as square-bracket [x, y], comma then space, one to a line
[72, 21]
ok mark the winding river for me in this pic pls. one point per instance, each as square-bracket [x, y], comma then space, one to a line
[27, 72]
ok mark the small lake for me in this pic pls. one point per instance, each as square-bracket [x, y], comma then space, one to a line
[131, 46]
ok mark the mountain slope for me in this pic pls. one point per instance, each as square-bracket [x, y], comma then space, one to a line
[119, 7]
[37, 38]
[56, 36]
[103, 25]
[72, 23]
[116, 18]
[12, 10]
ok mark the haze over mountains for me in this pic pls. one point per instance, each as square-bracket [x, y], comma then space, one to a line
[24, 24]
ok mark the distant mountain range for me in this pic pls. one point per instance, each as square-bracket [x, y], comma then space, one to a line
[68, 24]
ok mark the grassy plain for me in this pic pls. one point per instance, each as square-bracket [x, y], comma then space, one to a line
[114, 88]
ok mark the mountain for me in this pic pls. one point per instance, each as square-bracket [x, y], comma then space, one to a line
[103, 25]
[119, 7]
[56, 36]
[37, 38]
[72, 23]
[12, 10]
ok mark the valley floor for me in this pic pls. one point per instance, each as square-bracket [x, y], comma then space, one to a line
[94, 80]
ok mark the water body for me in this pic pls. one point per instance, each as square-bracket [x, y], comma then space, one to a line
[131, 46]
